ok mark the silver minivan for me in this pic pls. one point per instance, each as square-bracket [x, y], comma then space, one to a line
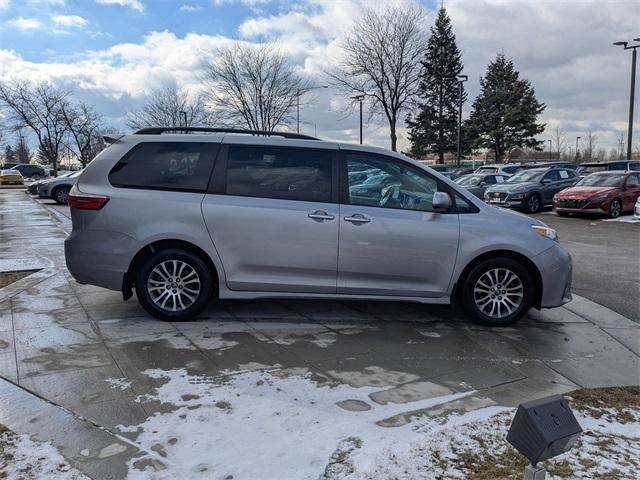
[187, 215]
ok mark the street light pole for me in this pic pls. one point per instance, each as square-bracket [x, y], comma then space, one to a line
[360, 99]
[184, 119]
[298, 92]
[461, 80]
[632, 93]
[549, 140]
[577, 138]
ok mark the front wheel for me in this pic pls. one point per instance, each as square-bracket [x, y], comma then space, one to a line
[174, 284]
[497, 292]
[533, 203]
[615, 208]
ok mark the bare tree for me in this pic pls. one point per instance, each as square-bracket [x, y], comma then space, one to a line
[253, 85]
[39, 108]
[590, 141]
[620, 136]
[168, 106]
[560, 140]
[381, 60]
[83, 131]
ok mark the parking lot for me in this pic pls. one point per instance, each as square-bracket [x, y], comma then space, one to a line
[117, 391]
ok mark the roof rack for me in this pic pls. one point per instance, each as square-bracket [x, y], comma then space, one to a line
[160, 130]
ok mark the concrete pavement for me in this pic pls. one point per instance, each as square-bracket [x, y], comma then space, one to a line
[63, 344]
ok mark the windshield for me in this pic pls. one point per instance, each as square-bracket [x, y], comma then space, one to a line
[601, 181]
[470, 180]
[75, 174]
[527, 176]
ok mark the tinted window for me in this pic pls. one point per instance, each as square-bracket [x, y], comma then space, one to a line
[633, 181]
[617, 166]
[287, 173]
[552, 176]
[464, 206]
[489, 180]
[166, 166]
[634, 165]
[396, 186]
[511, 170]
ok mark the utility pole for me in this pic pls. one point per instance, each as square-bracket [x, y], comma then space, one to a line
[461, 80]
[633, 49]
[577, 139]
[360, 99]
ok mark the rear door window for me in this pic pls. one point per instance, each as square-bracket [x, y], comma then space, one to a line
[280, 172]
[178, 166]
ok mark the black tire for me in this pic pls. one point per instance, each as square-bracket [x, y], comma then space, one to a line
[146, 270]
[470, 304]
[61, 195]
[615, 208]
[534, 203]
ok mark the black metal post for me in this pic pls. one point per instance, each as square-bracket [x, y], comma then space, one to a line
[298, 110]
[458, 150]
[577, 138]
[360, 121]
[631, 100]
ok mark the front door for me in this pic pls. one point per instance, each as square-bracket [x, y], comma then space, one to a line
[631, 192]
[555, 181]
[274, 224]
[391, 240]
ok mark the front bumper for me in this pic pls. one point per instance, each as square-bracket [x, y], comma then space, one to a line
[580, 210]
[556, 269]
[506, 200]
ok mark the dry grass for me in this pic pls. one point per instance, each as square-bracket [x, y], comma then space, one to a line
[614, 403]
[7, 278]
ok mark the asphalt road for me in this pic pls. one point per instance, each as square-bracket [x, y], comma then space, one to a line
[606, 259]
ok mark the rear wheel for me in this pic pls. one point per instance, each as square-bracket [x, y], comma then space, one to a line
[61, 195]
[497, 292]
[174, 284]
[615, 208]
[533, 203]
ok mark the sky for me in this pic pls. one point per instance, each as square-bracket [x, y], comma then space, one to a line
[111, 53]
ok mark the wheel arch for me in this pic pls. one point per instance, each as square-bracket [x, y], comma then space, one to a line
[456, 295]
[144, 252]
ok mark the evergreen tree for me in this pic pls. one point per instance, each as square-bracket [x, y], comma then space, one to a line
[9, 154]
[433, 126]
[504, 114]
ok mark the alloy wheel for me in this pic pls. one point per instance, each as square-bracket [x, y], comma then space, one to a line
[174, 285]
[534, 203]
[498, 292]
[614, 210]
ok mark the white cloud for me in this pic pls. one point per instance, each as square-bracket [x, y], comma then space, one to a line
[24, 24]
[69, 20]
[190, 8]
[4, 4]
[133, 4]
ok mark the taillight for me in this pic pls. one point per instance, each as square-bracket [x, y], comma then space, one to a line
[87, 201]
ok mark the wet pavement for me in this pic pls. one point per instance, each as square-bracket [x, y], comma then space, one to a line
[68, 343]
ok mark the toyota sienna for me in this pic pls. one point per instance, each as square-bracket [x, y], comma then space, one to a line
[186, 215]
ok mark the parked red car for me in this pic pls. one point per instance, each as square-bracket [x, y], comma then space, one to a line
[610, 192]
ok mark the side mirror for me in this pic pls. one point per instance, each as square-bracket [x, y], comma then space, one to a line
[483, 184]
[441, 202]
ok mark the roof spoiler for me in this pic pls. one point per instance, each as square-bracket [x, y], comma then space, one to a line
[111, 139]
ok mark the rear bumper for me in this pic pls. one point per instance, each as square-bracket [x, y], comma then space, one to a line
[556, 269]
[99, 257]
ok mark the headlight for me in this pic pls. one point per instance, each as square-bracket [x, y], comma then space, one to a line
[598, 199]
[550, 233]
[517, 196]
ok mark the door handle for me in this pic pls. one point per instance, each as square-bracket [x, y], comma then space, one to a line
[357, 218]
[320, 215]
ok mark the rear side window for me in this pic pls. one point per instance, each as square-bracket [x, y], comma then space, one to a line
[280, 172]
[178, 166]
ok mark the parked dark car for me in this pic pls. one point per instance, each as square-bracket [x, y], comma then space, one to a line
[477, 183]
[592, 167]
[610, 192]
[531, 189]
[28, 170]
[569, 165]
